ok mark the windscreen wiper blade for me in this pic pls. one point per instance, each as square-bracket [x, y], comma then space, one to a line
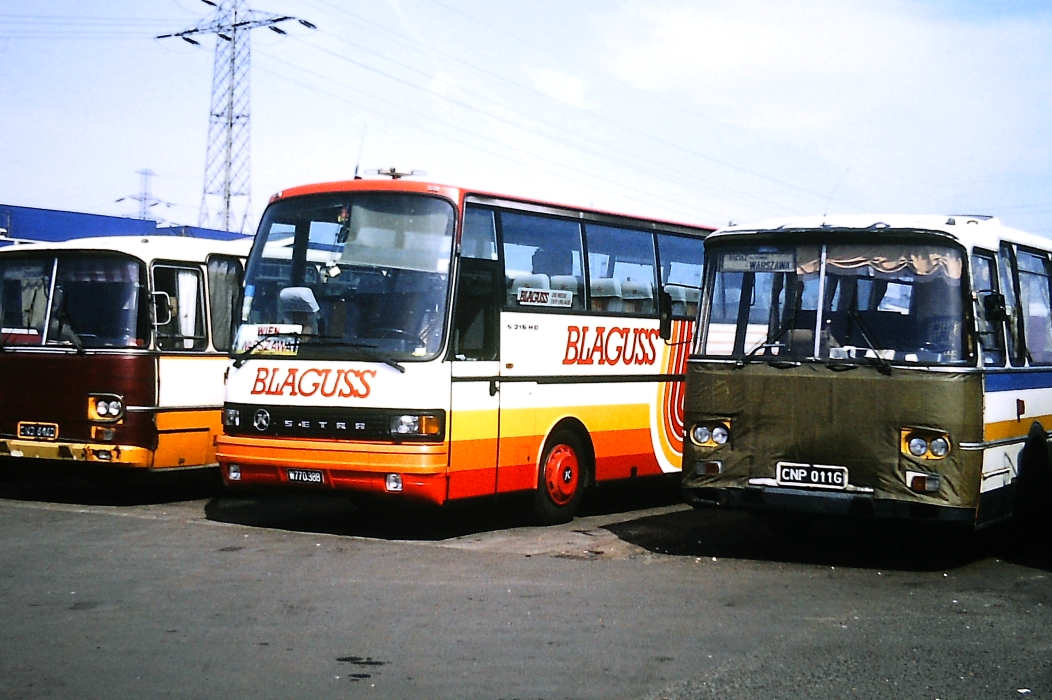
[877, 360]
[367, 352]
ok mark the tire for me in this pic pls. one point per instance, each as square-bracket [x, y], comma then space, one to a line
[562, 476]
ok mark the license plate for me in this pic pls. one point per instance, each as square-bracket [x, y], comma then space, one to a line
[815, 476]
[306, 476]
[38, 431]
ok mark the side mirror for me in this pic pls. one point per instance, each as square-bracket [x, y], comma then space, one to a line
[162, 308]
[994, 308]
[665, 314]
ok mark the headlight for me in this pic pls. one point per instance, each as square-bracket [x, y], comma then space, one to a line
[711, 434]
[231, 417]
[925, 443]
[106, 408]
[416, 425]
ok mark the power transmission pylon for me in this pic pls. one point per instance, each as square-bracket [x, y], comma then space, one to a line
[227, 172]
[145, 198]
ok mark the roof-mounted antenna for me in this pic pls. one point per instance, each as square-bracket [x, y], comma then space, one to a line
[843, 177]
[395, 174]
[361, 147]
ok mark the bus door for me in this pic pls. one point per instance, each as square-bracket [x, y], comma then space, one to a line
[474, 417]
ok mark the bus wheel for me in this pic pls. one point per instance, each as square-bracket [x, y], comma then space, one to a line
[1034, 485]
[562, 476]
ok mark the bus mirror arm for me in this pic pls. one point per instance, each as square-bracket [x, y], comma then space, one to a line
[162, 301]
[665, 315]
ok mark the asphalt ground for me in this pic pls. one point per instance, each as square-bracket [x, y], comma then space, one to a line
[174, 588]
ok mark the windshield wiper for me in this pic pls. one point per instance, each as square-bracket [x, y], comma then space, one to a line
[239, 358]
[877, 360]
[73, 336]
[368, 350]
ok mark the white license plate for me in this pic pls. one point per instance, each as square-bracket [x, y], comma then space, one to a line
[38, 431]
[306, 476]
[815, 476]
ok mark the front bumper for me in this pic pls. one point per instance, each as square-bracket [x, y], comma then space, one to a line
[808, 502]
[352, 466]
[94, 453]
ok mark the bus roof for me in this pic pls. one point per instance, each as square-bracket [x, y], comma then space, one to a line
[970, 230]
[456, 194]
[145, 248]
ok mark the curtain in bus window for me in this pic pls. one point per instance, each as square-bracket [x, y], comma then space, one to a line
[682, 261]
[901, 302]
[621, 270]
[543, 262]
[96, 300]
[185, 329]
[224, 282]
[1034, 300]
[24, 289]
[991, 337]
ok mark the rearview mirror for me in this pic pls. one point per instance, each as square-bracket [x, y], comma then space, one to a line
[994, 307]
[665, 314]
[162, 308]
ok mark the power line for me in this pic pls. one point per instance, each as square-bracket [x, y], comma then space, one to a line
[475, 138]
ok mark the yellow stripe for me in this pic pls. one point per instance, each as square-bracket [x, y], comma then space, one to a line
[1014, 428]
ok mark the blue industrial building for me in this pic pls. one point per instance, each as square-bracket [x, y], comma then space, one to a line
[31, 224]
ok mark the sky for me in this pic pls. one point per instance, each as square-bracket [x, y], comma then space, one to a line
[699, 111]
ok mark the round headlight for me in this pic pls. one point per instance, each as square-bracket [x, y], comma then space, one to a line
[102, 408]
[918, 446]
[939, 447]
[720, 435]
[702, 434]
[115, 407]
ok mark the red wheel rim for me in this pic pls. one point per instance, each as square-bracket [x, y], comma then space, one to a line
[561, 473]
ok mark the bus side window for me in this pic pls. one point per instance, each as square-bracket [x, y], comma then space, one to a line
[1035, 304]
[479, 238]
[621, 270]
[185, 329]
[681, 266]
[1009, 280]
[991, 332]
[224, 283]
[476, 321]
[543, 262]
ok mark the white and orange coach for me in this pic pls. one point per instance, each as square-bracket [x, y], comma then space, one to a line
[434, 343]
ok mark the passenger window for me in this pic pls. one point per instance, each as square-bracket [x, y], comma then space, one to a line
[224, 283]
[1034, 302]
[479, 240]
[181, 289]
[681, 267]
[476, 323]
[991, 333]
[1014, 337]
[542, 261]
[621, 270]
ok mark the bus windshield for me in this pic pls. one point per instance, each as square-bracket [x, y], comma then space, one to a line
[349, 276]
[882, 302]
[81, 301]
